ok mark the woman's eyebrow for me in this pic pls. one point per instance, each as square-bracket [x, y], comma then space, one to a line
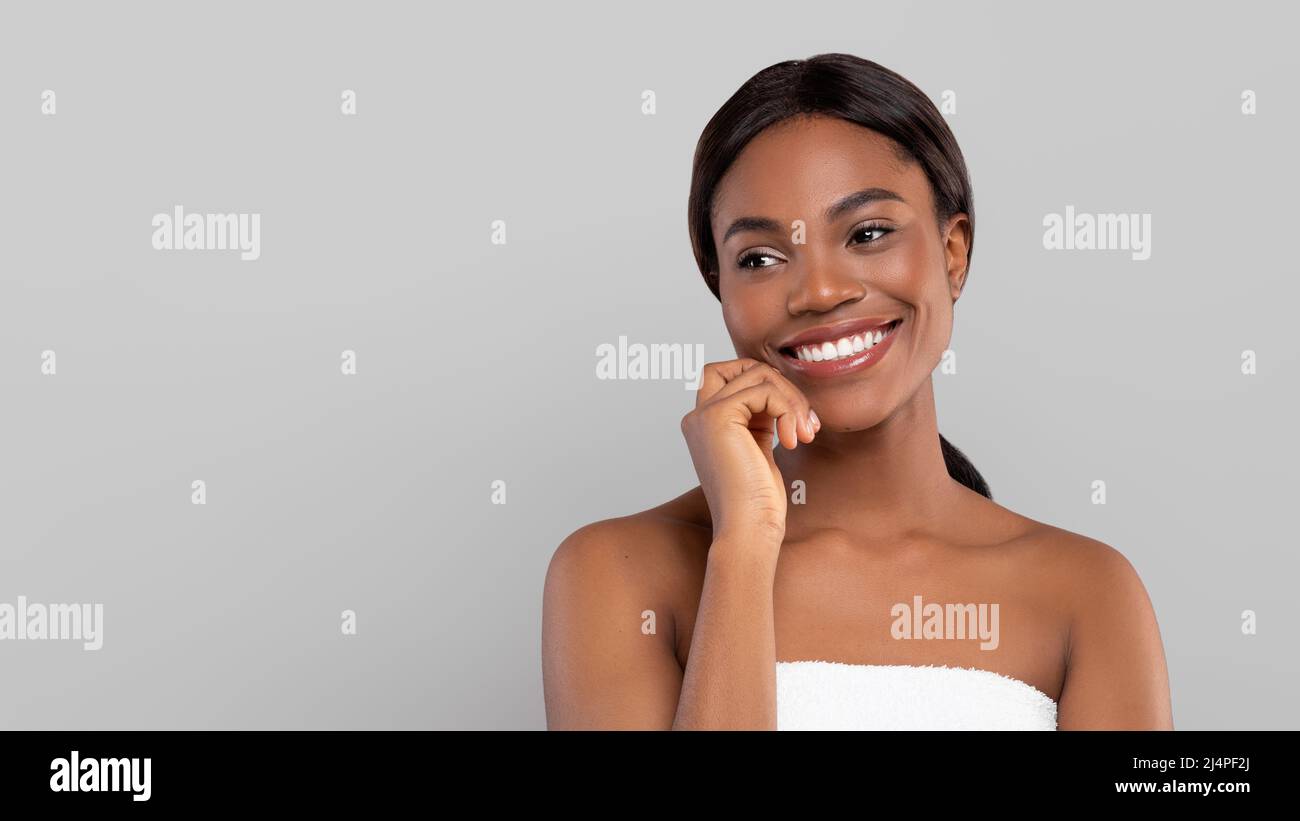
[860, 198]
[852, 202]
[751, 224]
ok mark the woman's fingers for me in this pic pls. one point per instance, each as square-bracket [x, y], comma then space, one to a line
[765, 400]
[717, 374]
[797, 423]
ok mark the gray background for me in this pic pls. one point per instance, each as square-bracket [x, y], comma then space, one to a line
[476, 362]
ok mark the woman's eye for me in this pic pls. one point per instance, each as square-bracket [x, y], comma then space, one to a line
[748, 260]
[872, 229]
[744, 261]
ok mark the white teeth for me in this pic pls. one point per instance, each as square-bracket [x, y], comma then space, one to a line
[840, 348]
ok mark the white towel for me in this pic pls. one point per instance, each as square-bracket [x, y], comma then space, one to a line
[829, 695]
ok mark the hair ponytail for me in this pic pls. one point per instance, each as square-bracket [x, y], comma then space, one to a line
[961, 469]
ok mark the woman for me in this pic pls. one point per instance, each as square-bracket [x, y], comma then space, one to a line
[858, 574]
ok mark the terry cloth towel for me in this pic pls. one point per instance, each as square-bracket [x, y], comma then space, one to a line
[831, 695]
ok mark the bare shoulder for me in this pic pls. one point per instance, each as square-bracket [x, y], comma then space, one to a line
[609, 619]
[1083, 572]
[1116, 672]
[1087, 570]
[645, 552]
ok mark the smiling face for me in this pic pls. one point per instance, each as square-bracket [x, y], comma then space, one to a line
[806, 304]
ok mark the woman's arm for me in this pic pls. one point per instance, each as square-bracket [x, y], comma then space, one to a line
[602, 671]
[1116, 675]
[597, 670]
[730, 679]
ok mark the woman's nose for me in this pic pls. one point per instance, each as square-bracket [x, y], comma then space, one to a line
[820, 285]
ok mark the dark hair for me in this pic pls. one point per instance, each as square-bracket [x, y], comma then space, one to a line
[853, 89]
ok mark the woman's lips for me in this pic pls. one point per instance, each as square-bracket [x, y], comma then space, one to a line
[846, 364]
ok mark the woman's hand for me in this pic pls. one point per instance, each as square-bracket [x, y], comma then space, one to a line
[739, 405]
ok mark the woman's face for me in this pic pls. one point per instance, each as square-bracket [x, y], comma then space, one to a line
[879, 260]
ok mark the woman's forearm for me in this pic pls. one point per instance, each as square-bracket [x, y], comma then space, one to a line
[730, 677]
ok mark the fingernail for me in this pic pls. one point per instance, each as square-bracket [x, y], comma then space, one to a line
[817, 423]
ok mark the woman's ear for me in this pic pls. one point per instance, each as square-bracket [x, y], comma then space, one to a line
[956, 245]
